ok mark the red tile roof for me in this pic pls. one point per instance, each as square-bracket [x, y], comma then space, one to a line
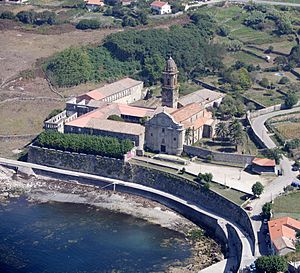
[158, 4]
[95, 2]
[265, 162]
[186, 112]
[283, 232]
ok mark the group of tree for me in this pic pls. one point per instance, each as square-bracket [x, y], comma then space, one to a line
[141, 53]
[89, 144]
[205, 179]
[31, 17]
[239, 80]
[128, 16]
[292, 144]
[232, 131]
[275, 153]
[271, 264]
[231, 107]
[259, 16]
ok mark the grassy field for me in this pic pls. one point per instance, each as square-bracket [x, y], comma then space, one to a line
[287, 205]
[188, 87]
[290, 130]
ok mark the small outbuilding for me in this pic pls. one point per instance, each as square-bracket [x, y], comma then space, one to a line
[93, 5]
[263, 165]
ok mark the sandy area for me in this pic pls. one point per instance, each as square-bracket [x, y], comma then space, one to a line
[43, 189]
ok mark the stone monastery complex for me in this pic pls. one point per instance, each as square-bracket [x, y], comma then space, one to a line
[164, 129]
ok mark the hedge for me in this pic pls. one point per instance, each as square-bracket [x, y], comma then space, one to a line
[89, 144]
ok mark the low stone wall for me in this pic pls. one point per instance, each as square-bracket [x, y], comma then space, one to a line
[266, 110]
[218, 156]
[7, 138]
[175, 185]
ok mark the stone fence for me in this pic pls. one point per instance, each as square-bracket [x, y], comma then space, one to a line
[127, 171]
[266, 110]
[239, 159]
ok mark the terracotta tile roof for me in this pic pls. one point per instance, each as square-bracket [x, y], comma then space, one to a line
[201, 96]
[108, 109]
[95, 2]
[111, 89]
[125, 109]
[283, 232]
[265, 162]
[186, 112]
[158, 4]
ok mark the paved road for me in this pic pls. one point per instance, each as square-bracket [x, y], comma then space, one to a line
[212, 2]
[276, 187]
[246, 248]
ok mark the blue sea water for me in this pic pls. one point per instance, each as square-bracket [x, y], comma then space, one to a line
[62, 237]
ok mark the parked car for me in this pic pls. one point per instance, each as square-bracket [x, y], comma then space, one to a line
[249, 208]
[295, 168]
[279, 172]
[265, 221]
[295, 184]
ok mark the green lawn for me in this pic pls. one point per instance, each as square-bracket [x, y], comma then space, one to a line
[287, 205]
[188, 87]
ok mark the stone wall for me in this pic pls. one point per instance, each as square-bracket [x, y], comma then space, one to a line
[175, 185]
[218, 156]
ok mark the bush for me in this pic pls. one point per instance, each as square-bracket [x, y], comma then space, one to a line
[290, 100]
[7, 15]
[89, 144]
[284, 80]
[115, 117]
[266, 210]
[264, 83]
[257, 189]
[88, 24]
[271, 264]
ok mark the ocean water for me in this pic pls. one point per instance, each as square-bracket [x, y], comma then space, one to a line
[62, 237]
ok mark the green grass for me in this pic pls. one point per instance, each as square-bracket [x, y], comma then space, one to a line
[187, 88]
[265, 97]
[287, 205]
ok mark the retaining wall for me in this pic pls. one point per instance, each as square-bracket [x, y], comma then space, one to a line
[218, 156]
[175, 185]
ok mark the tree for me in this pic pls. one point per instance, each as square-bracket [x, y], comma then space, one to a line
[290, 99]
[236, 133]
[70, 67]
[265, 83]
[26, 17]
[222, 131]
[188, 135]
[271, 264]
[153, 67]
[266, 210]
[284, 26]
[257, 189]
[274, 153]
[250, 106]
[204, 177]
[223, 31]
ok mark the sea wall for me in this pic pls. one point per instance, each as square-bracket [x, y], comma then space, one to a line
[218, 156]
[175, 185]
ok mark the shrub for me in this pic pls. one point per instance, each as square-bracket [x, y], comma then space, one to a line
[284, 80]
[88, 24]
[257, 189]
[290, 100]
[115, 117]
[7, 15]
[97, 145]
[271, 264]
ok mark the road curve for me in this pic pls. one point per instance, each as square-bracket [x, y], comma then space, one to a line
[247, 256]
[259, 128]
[273, 189]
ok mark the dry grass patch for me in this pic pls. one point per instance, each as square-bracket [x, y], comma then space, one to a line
[25, 117]
[289, 130]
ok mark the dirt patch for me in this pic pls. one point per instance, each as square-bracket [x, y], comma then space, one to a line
[290, 130]
[25, 117]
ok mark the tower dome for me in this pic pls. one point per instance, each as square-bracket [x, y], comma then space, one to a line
[171, 65]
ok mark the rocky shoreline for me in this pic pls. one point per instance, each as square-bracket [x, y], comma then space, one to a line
[205, 251]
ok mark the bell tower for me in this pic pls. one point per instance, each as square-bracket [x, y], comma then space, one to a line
[170, 88]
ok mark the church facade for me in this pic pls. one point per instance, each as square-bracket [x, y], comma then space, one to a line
[172, 127]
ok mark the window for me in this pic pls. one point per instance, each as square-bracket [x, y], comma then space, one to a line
[151, 134]
[174, 138]
[163, 130]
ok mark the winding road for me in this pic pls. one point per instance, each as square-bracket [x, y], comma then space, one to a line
[273, 189]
